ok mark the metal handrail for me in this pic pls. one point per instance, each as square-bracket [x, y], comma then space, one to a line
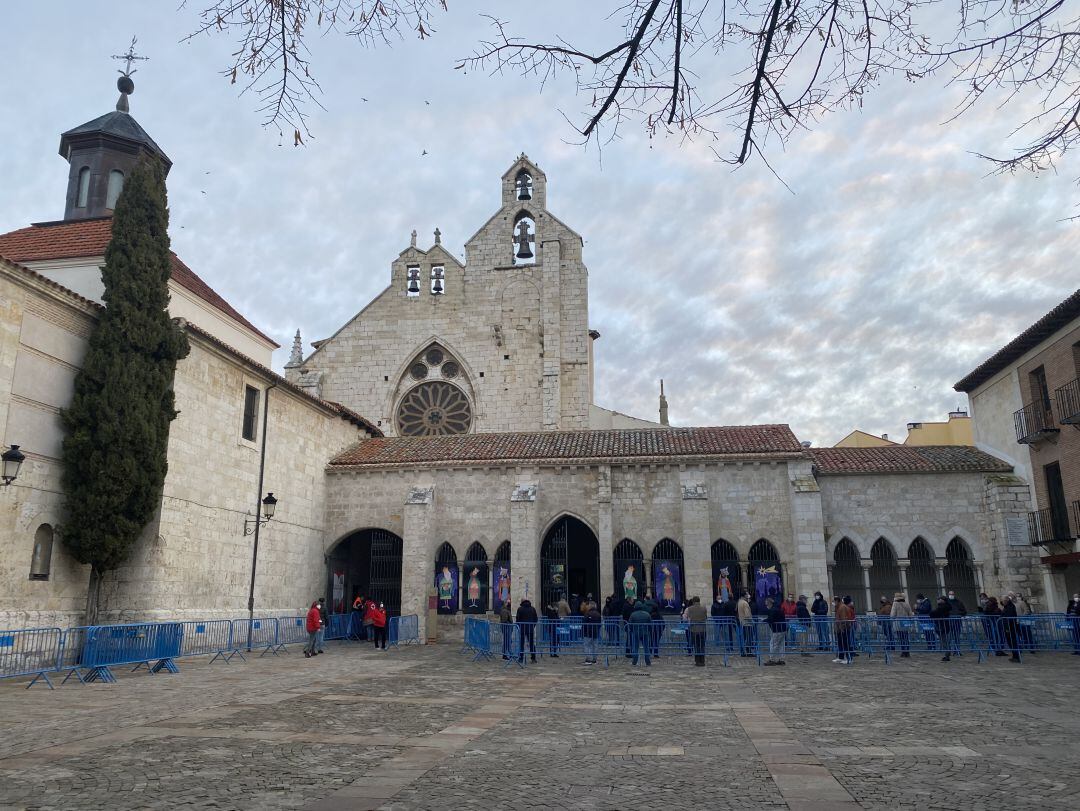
[1046, 527]
[1068, 403]
[1032, 421]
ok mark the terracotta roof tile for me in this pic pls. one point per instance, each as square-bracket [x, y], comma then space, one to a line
[1038, 332]
[906, 459]
[634, 444]
[71, 239]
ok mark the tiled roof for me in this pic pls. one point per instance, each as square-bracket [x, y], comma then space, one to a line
[1038, 332]
[73, 239]
[906, 459]
[633, 444]
[343, 412]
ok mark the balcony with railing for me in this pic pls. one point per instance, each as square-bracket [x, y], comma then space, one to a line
[1034, 422]
[1050, 526]
[1068, 403]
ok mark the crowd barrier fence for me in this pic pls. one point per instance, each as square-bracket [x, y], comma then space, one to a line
[979, 635]
[88, 653]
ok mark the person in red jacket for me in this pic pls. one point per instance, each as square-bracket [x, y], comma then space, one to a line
[314, 623]
[789, 607]
[378, 622]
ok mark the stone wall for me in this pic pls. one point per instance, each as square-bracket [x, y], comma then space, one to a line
[519, 332]
[195, 561]
[43, 335]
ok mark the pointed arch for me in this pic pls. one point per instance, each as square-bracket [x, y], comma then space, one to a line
[628, 562]
[885, 571]
[766, 575]
[668, 575]
[500, 577]
[960, 575]
[922, 569]
[447, 579]
[726, 572]
[475, 573]
[847, 574]
[403, 381]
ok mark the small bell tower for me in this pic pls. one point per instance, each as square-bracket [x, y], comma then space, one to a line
[102, 152]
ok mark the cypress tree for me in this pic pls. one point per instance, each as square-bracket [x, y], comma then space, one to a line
[117, 427]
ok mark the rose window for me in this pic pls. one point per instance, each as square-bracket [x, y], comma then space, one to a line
[433, 409]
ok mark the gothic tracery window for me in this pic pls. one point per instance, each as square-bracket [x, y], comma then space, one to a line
[434, 408]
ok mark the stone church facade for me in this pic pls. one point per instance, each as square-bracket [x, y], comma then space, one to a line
[444, 448]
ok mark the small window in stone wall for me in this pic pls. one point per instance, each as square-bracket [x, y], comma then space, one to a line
[83, 194]
[251, 413]
[41, 562]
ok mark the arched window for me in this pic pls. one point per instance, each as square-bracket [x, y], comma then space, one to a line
[524, 239]
[847, 574]
[726, 573]
[434, 401]
[83, 196]
[41, 561]
[668, 583]
[523, 185]
[500, 577]
[960, 573]
[116, 185]
[766, 574]
[884, 574]
[447, 579]
[922, 572]
[475, 575]
[629, 563]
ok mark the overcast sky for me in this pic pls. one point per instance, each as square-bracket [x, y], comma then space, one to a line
[895, 268]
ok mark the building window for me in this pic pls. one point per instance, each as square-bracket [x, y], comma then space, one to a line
[116, 184]
[251, 413]
[524, 236]
[1040, 392]
[41, 561]
[523, 185]
[84, 187]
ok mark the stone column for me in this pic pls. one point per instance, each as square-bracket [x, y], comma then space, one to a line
[903, 566]
[417, 565]
[523, 544]
[747, 577]
[697, 559]
[807, 530]
[867, 565]
[941, 563]
[831, 592]
[605, 539]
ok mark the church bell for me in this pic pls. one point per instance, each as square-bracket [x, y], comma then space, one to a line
[524, 251]
[524, 193]
[437, 288]
[414, 286]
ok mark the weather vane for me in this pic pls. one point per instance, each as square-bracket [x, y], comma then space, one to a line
[130, 57]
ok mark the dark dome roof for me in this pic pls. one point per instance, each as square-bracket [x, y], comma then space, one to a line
[117, 125]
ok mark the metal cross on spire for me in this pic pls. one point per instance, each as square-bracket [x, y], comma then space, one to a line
[130, 57]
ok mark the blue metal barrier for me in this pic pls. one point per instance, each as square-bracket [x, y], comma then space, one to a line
[260, 633]
[338, 627]
[1037, 633]
[106, 646]
[290, 631]
[404, 630]
[206, 637]
[30, 652]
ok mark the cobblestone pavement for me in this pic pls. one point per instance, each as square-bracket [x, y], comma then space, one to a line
[426, 728]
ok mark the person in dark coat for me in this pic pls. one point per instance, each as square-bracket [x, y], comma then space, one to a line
[638, 631]
[820, 609]
[777, 620]
[1074, 611]
[940, 615]
[729, 611]
[654, 611]
[590, 632]
[991, 620]
[627, 610]
[526, 620]
[551, 628]
[1008, 625]
[613, 619]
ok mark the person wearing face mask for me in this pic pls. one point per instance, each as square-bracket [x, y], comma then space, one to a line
[956, 626]
[1074, 611]
[820, 609]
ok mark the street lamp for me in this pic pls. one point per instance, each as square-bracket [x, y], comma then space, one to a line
[269, 505]
[10, 462]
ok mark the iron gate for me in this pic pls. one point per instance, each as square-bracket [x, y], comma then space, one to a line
[847, 574]
[628, 554]
[553, 565]
[384, 571]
